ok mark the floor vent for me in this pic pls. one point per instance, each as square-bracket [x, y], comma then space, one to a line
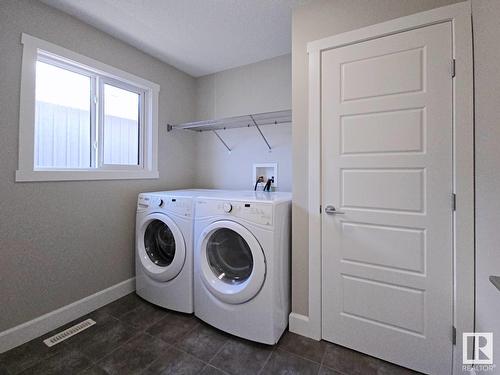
[67, 333]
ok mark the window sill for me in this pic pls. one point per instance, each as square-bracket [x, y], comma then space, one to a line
[83, 175]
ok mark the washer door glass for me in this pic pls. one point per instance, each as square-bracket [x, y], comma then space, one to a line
[230, 262]
[160, 246]
[159, 243]
[229, 256]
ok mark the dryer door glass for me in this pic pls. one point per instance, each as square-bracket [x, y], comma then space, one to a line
[229, 256]
[159, 243]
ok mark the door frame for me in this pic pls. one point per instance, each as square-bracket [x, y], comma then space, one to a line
[463, 164]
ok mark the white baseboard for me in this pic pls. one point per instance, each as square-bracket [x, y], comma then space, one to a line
[25, 332]
[300, 325]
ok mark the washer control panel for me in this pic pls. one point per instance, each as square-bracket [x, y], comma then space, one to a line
[259, 213]
[180, 205]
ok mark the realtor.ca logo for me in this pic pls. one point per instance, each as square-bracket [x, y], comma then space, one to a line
[478, 351]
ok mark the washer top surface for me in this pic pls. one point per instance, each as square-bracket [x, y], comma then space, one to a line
[244, 195]
[250, 196]
[185, 192]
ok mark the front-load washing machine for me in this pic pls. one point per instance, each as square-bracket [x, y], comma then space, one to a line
[241, 259]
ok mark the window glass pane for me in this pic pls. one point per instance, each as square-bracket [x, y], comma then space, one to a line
[121, 126]
[62, 118]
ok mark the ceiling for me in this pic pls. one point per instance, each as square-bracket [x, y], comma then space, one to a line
[198, 37]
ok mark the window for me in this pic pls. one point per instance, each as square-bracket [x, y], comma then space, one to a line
[83, 120]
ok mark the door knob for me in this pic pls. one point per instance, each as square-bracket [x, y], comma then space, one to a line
[331, 210]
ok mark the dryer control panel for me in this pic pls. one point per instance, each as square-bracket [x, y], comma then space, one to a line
[179, 205]
[255, 212]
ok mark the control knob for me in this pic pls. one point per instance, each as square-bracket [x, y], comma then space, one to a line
[228, 207]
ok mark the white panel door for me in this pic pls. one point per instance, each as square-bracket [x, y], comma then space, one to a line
[386, 123]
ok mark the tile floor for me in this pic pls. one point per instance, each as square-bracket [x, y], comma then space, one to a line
[134, 337]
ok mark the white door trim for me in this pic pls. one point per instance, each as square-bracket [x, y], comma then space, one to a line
[463, 163]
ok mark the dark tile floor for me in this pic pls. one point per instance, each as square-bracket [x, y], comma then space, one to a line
[134, 337]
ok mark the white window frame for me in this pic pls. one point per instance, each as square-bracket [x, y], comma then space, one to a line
[33, 48]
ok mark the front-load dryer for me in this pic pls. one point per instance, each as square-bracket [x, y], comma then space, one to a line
[241, 259]
[164, 240]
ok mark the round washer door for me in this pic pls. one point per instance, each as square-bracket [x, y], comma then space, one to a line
[232, 262]
[161, 247]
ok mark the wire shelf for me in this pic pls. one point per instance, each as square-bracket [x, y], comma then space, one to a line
[257, 120]
[261, 119]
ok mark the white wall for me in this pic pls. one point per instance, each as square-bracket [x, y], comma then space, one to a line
[219, 170]
[486, 15]
[261, 87]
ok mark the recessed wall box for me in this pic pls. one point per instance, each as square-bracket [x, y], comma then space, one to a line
[268, 170]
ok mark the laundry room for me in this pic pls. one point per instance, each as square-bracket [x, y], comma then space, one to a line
[249, 187]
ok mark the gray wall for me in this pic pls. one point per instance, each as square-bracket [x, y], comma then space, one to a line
[62, 241]
[260, 87]
[485, 15]
[316, 20]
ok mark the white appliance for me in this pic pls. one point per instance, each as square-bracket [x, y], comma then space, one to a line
[164, 247]
[241, 259]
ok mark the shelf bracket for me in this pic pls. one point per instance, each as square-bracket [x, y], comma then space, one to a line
[220, 139]
[261, 134]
